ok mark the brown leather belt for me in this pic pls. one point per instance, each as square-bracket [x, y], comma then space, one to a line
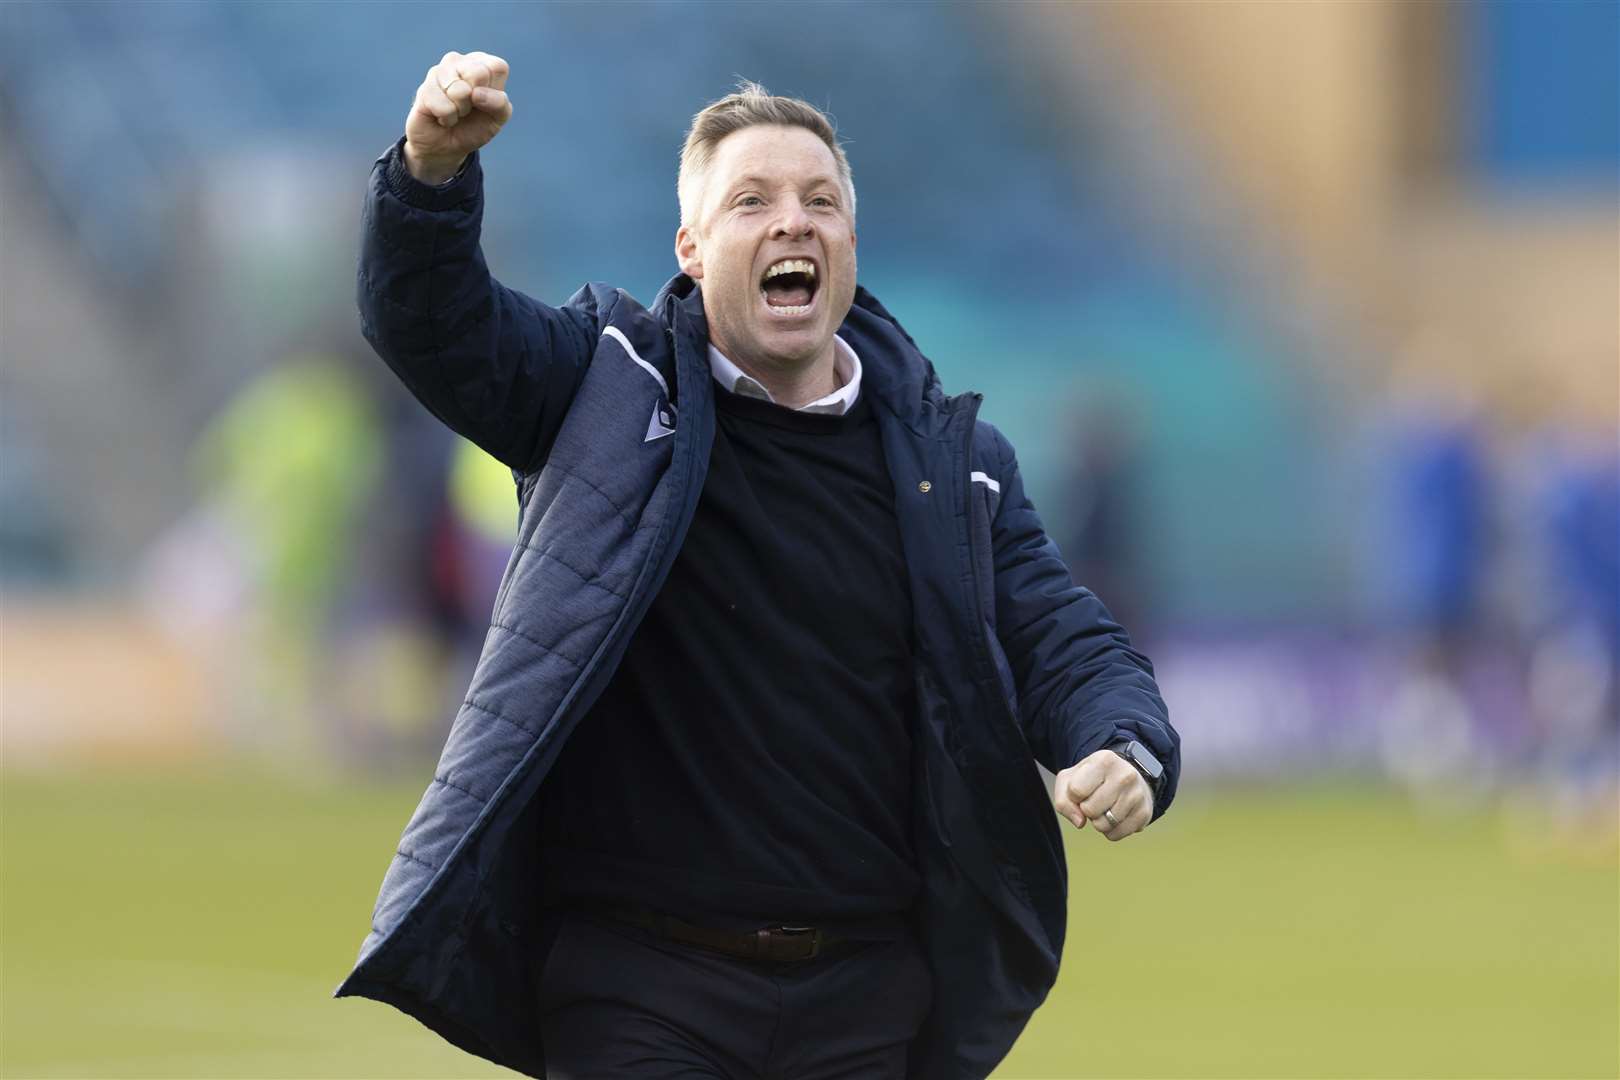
[777, 944]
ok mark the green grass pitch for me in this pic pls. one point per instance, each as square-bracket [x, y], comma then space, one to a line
[193, 922]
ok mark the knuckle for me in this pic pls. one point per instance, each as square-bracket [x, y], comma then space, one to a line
[449, 57]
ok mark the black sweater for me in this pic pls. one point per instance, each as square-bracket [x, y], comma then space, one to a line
[750, 761]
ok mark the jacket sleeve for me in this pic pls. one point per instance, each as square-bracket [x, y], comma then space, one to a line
[495, 365]
[1081, 685]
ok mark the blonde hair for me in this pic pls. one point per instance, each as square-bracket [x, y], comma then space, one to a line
[750, 105]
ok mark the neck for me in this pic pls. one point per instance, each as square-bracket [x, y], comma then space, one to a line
[797, 386]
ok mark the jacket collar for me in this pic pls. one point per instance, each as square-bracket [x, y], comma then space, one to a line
[894, 370]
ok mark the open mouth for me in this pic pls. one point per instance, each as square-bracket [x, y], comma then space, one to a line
[789, 286]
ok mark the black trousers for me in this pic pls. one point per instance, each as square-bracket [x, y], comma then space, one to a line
[617, 1001]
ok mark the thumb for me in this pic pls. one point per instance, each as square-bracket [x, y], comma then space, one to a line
[493, 102]
[1086, 777]
[1064, 802]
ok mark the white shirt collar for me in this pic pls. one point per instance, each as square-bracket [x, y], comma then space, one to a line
[846, 366]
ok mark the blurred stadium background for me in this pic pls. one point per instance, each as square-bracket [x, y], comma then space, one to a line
[1303, 317]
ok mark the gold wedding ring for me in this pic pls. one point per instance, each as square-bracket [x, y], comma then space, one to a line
[1113, 821]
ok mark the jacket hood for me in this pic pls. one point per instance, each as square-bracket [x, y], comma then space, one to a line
[905, 380]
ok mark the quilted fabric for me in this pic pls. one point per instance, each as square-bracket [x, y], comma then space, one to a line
[1015, 664]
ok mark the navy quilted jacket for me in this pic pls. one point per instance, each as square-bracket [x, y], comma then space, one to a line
[1014, 663]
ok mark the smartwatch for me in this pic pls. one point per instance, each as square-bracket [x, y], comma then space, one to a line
[1144, 761]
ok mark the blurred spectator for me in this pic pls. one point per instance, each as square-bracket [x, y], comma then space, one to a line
[1098, 524]
[251, 572]
[477, 533]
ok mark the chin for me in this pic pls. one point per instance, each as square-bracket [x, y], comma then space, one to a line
[794, 347]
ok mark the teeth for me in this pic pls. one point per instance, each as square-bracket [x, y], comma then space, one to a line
[796, 309]
[792, 266]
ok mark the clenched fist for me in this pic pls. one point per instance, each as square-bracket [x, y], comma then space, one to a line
[1106, 792]
[459, 107]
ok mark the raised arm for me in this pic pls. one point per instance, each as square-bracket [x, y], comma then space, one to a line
[495, 365]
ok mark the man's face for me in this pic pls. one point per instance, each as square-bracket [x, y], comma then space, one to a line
[773, 245]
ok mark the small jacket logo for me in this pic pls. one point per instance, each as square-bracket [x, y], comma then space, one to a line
[662, 422]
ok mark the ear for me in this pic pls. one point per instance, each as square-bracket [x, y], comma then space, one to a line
[688, 253]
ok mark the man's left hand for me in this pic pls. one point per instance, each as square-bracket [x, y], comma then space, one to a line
[1105, 791]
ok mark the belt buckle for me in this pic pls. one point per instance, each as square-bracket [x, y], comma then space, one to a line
[771, 936]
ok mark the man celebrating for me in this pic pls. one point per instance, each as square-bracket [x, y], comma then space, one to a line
[744, 783]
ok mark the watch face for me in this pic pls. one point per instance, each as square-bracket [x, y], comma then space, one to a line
[1144, 757]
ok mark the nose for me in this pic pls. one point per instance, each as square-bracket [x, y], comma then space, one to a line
[793, 223]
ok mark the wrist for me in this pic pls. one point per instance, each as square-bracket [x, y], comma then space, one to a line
[1144, 762]
[430, 171]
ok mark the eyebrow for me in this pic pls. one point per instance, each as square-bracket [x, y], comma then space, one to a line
[760, 181]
